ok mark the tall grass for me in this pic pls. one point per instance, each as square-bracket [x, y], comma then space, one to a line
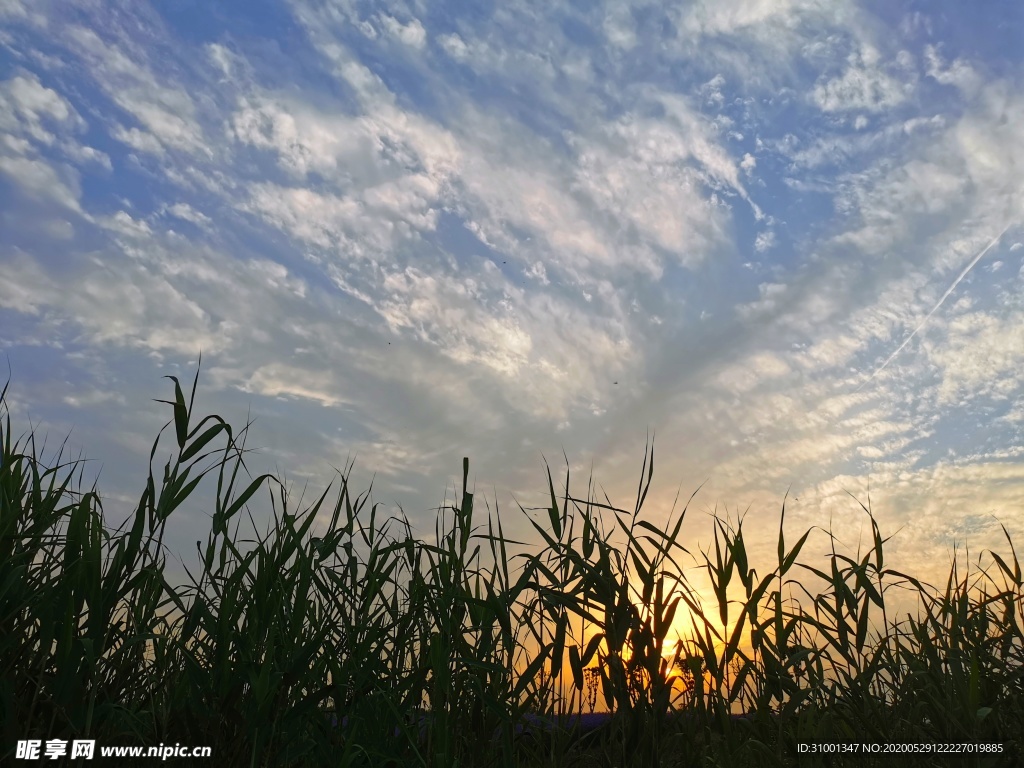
[360, 644]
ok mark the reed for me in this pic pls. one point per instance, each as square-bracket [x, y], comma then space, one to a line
[360, 645]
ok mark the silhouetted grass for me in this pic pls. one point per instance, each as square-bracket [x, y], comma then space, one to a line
[460, 652]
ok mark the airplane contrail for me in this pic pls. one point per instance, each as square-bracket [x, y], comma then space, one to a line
[951, 288]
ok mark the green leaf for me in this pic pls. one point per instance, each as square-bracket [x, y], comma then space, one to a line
[576, 664]
[220, 520]
[201, 442]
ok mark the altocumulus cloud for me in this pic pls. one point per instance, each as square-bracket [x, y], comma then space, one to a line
[411, 233]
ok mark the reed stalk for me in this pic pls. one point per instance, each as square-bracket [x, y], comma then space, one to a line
[476, 649]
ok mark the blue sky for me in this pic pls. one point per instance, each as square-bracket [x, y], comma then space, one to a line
[414, 232]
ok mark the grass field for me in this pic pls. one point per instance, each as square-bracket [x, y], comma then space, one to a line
[356, 644]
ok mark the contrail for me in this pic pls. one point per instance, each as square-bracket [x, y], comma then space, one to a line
[951, 288]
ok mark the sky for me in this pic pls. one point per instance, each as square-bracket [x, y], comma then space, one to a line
[784, 237]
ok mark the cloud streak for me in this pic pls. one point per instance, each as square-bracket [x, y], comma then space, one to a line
[978, 257]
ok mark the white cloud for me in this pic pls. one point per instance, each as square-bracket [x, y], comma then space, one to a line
[502, 332]
[863, 86]
[127, 307]
[412, 34]
[764, 241]
[82, 154]
[769, 294]
[19, 9]
[30, 113]
[186, 212]
[353, 151]
[143, 290]
[967, 169]
[142, 141]
[752, 372]
[439, 312]
[166, 115]
[454, 46]
[889, 206]
[230, 64]
[959, 73]
[619, 27]
[15, 8]
[92, 398]
[760, 42]
[39, 179]
[25, 104]
[534, 199]
[23, 289]
[318, 219]
[712, 91]
[982, 355]
[649, 173]
[538, 272]
[733, 17]
[367, 225]
[278, 380]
